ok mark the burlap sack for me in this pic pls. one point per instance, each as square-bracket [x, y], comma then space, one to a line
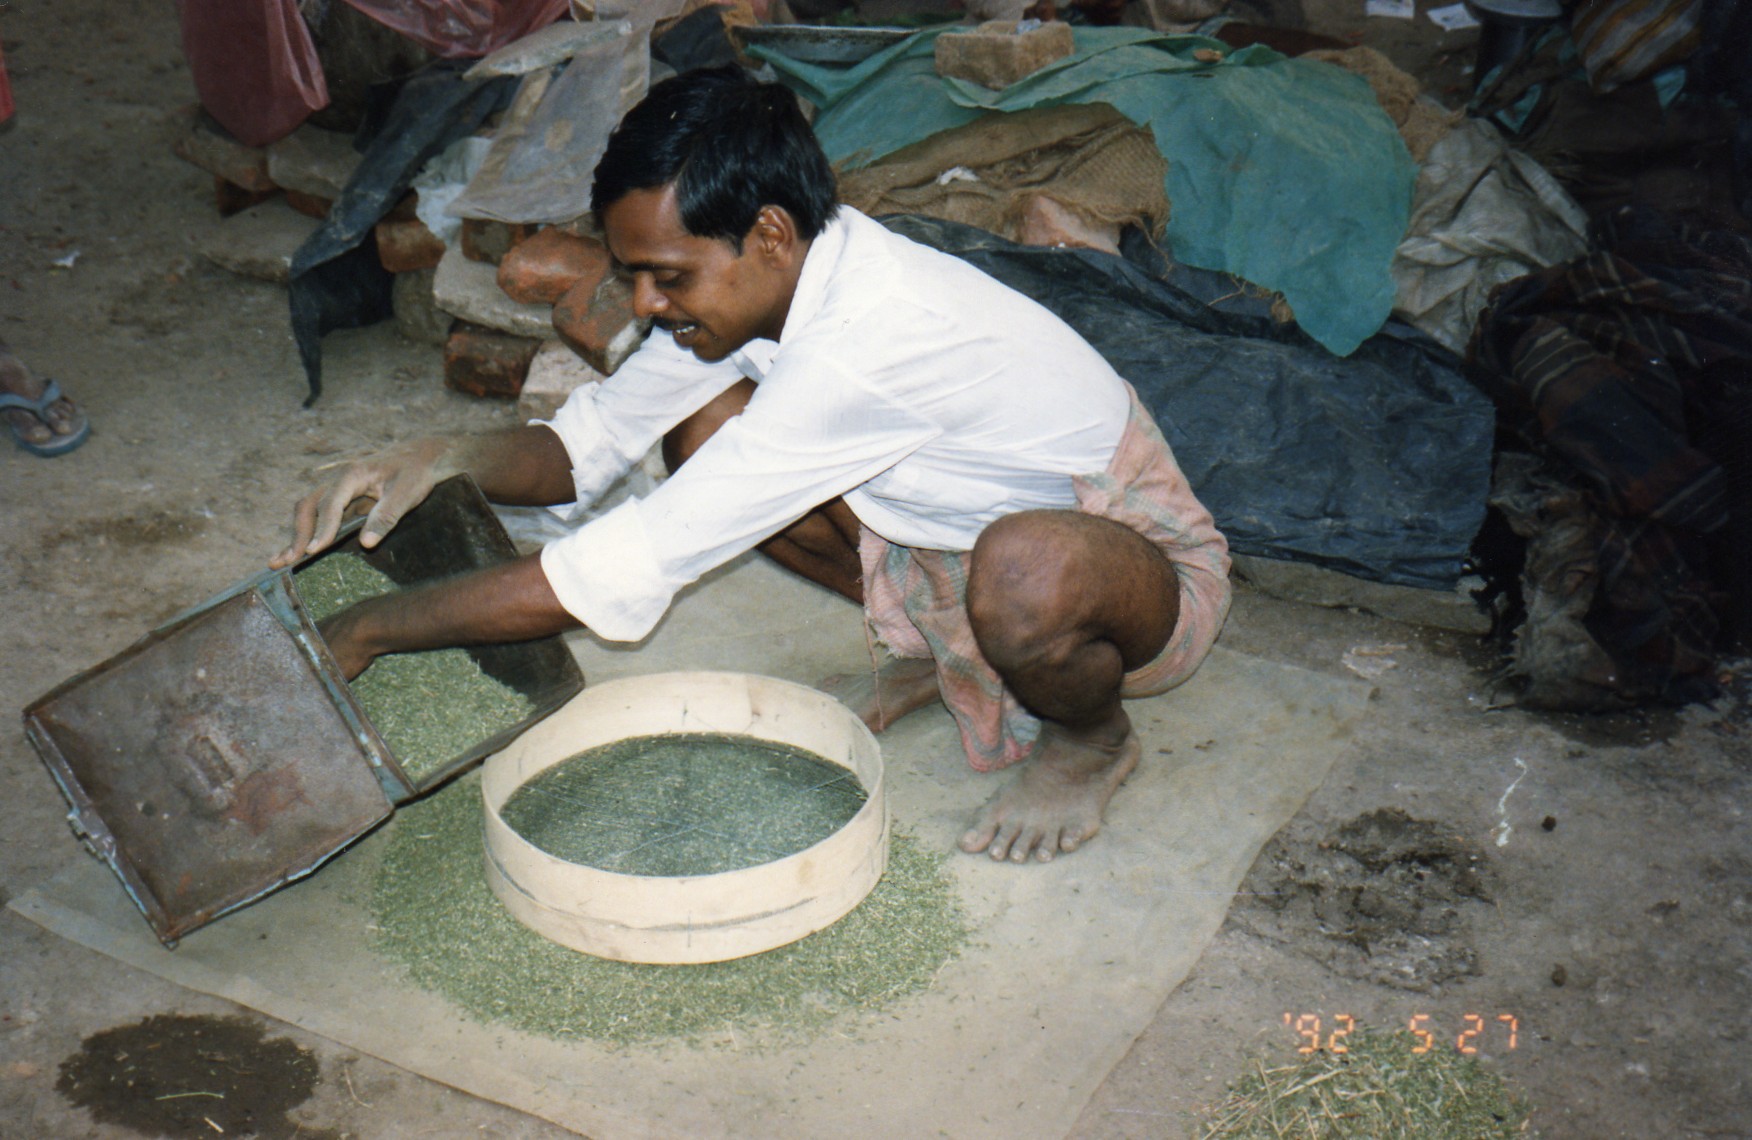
[1089, 159]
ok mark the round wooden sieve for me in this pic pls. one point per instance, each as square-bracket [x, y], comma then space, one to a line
[700, 918]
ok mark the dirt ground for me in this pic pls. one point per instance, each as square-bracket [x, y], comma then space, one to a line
[1582, 883]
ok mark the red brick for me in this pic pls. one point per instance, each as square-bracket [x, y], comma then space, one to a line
[404, 210]
[229, 197]
[486, 240]
[485, 362]
[540, 270]
[404, 246]
[598, 323]
[309, 205]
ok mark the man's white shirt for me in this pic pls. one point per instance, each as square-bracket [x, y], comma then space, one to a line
[929, 396]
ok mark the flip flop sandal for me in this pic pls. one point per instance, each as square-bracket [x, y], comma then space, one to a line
[39, 407]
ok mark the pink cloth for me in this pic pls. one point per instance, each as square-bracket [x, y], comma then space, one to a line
[5, 92]
[254, 65]
[915, 600]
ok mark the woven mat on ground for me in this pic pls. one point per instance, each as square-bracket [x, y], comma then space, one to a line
[1067, 965]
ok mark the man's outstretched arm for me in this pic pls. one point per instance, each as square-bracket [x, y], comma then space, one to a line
[508, 602]
[525, 466]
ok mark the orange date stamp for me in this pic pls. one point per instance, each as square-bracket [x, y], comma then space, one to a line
[1473, 1031]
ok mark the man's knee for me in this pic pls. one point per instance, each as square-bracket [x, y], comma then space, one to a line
[1044, 582]
[1022, 584]
[691, 434]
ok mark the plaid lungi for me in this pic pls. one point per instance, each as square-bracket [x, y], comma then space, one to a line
[916, 600]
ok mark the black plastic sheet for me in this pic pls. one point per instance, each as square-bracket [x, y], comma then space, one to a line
[1375, 464]
[337, 281]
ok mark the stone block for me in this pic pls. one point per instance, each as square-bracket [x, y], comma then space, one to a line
[470, 290]
[540, 270]
[484, 239]
[995, 54]
[554, 374]
[417, 315]
[1316, 585]
[313, 161]
[257, 242]
[209, 146]
[404, 245]
[598, 322]
[486, 362]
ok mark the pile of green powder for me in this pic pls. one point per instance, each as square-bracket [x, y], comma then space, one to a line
[429, 707]
[684, 804]
[435, 915]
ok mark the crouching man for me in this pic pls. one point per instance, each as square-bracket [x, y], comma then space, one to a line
[872, 414]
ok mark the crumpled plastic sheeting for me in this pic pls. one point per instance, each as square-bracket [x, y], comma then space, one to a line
[458, 29]
[254, 65]
[1484, 213]
[545, 152]
[1285, 172]
[337, 280]
[442, 181]
[1376, 465]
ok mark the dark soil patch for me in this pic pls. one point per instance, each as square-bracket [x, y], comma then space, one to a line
[131, 531]
[177, 1076]
[1384, 898]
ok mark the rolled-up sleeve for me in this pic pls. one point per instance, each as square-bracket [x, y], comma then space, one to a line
[801, 442]
[608, 427]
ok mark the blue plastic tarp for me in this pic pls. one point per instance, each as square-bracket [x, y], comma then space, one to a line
[1284, 172]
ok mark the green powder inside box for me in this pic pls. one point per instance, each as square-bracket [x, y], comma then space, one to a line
[433, 913]
[429, 707]
[684, 804]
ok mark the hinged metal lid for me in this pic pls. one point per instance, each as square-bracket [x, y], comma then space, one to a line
[207, 764]
[224, 755]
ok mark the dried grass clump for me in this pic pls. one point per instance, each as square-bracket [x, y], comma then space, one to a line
[1377, 1090]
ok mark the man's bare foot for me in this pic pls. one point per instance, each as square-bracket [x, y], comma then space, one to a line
[1055, 800]
[900, 686]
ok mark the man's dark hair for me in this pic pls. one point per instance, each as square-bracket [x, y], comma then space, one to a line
[730, 144]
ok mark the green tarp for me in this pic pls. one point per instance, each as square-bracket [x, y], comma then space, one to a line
[1281, 171]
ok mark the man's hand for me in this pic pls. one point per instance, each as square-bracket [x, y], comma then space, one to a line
[395, 483]
[526, 466]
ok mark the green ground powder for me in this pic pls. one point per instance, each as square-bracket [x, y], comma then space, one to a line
[436, 917]
[429, 707]
[685, 803]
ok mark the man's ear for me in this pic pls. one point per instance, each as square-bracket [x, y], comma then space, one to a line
[774, 233]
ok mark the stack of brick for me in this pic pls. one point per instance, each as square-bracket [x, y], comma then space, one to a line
[524, 284]
[520, 310]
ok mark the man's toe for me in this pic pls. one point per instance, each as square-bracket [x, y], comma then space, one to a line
[979, 837]
[62, 417]
[1004, 841]
[28, 427]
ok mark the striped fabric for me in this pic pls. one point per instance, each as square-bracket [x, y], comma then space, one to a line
[1616, 369]
[1624, 40]
[915, 600]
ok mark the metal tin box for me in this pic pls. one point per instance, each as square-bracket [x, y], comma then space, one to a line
[224, 755]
